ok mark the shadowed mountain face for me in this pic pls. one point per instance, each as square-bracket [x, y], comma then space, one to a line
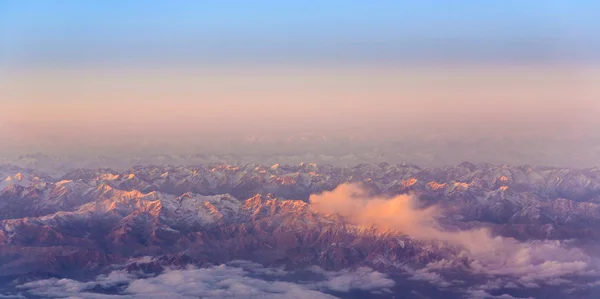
[536, 225]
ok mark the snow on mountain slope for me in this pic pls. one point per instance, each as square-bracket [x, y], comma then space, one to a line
[221, 212]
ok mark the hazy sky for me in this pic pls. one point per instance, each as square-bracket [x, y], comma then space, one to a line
[246, 66]
[218, 98]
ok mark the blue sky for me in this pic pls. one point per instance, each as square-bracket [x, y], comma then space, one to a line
[64, 32]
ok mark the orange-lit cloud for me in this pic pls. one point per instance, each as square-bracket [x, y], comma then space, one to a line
[531, 261]
[400, 213]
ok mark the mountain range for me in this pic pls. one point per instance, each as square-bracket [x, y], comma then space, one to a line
[541, 223]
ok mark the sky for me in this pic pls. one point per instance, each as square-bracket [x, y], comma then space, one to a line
[148, 67]
[61, 33]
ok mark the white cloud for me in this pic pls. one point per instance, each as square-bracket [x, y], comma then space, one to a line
[235, 280]
[480, 294]
[363, 278]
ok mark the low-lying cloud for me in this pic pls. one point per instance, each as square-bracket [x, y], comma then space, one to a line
[236, 279]
[400, 213]
[523, 264]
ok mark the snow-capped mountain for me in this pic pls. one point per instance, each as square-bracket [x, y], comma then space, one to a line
[88, 219]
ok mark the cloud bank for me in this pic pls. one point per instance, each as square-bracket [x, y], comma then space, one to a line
[237, 279]
[519, 264]
[400, 213]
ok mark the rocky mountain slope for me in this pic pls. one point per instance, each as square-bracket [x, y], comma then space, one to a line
[89, 219]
